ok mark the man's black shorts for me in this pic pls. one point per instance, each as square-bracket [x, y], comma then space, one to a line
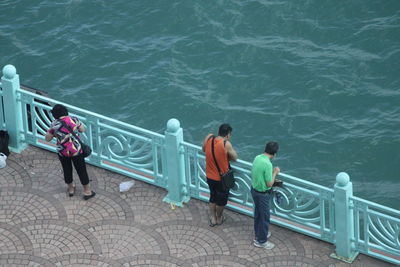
[217, 194]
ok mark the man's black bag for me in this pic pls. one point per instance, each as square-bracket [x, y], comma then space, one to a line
[4, 138]
[228, 180]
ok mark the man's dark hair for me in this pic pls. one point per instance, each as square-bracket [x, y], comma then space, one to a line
[224, 129]
[59, 111]
[271, 148]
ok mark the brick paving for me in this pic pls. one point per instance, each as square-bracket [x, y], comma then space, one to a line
[41, 226]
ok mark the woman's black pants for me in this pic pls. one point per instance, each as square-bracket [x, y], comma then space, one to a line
[80, 166]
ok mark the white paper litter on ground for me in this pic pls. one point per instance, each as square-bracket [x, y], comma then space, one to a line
[125, 186]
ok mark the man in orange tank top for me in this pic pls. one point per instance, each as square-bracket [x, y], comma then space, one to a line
[223, 152]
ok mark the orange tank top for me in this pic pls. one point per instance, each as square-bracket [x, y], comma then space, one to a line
[221, 157]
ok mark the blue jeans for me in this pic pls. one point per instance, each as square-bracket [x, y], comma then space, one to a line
[261, 215]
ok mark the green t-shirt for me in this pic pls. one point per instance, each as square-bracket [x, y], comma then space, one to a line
[261, 173]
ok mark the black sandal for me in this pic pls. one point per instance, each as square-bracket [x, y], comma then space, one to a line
[87, 197]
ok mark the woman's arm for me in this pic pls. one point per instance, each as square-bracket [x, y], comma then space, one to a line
[48, 136]
[81, 128]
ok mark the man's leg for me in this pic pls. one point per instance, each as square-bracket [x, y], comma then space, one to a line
[212, 204]
[219, 211]
[257, 220]
[221, 203]
[213, 213]
[261, 218]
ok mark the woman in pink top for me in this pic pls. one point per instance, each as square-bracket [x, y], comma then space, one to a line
[69, 148]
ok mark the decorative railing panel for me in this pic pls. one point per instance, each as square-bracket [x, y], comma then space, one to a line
[377, 230]
[116, 146]
[305, 207]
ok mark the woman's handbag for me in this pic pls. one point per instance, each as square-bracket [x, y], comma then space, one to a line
[227, 178]
[85, 148]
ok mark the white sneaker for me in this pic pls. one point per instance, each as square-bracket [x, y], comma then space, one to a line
[268, 236]
[266, 245]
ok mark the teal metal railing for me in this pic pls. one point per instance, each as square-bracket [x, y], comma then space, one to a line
[334, 215]
[377, 230]
[116, 146]
[306, 207]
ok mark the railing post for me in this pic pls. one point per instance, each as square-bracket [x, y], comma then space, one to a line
[344, 219]
[12, 108]
[177, 191]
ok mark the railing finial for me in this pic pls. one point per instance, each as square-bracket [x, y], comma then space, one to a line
[342, 179]
[173, 125]
[9, 71]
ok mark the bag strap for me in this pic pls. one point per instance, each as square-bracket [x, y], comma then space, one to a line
[70, 130]
[212, 150]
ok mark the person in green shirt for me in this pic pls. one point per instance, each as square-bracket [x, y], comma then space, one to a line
[262, 178]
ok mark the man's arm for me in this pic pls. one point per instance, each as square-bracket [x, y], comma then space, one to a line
[232, 155]
[205, 142]
[275, 172]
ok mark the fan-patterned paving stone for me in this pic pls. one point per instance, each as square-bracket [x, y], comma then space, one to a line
[120, 239]
[107, 180]
[51, 180]
[12, 240]
[243, 235]
[54, 238]
[23, 204]
[142, 201]
[151, 260]
[289, 261]
[360, 261]
[316, 249]
[218, 261]
[81, 259]
[190, 239]
[102, 207]
[14, 175]
[202, 213]
[18, 260]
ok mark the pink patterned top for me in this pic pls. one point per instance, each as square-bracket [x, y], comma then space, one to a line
[67, 145]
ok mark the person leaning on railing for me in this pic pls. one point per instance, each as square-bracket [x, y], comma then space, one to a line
[69, 149]
[223, 152]
[262, 179]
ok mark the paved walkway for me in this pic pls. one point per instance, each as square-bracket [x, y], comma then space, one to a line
[41, 226]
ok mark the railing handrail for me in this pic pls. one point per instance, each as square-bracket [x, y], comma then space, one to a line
[376, 205]
[91, 113]
[287, 176]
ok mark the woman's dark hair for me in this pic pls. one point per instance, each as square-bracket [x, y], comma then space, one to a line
[59, 111]
[224, 129]
[271, 148]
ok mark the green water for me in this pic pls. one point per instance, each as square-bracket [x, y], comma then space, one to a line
[319, 77]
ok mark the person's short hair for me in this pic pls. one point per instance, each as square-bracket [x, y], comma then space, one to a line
[59, 111]
[271, 148]
[224, 129]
